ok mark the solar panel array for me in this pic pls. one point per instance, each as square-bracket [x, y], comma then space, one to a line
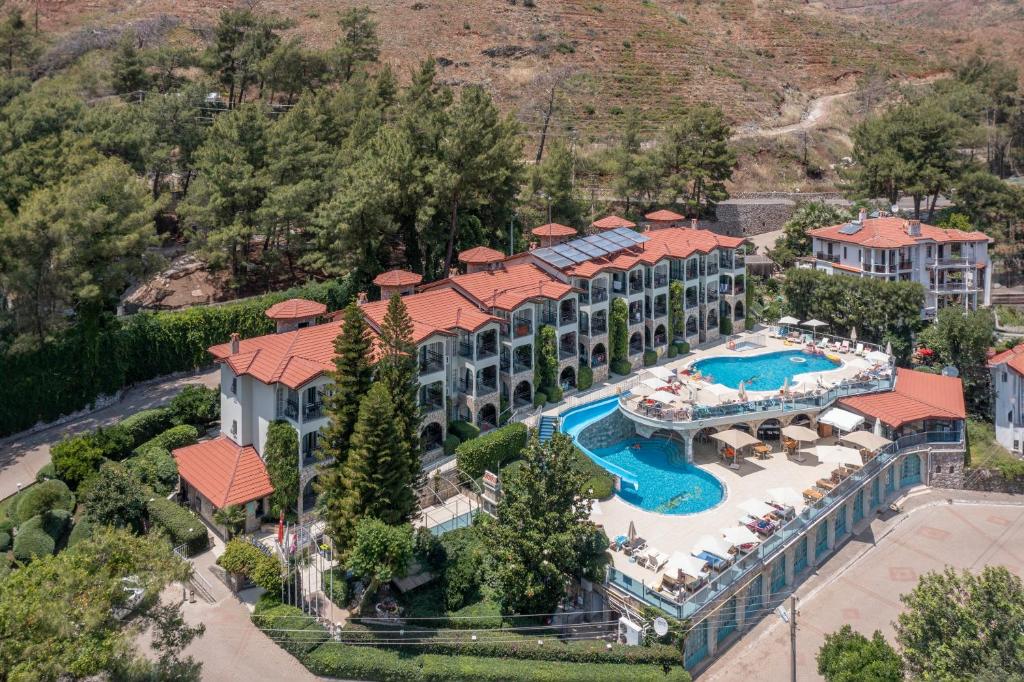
[850, 228]
[586, 248]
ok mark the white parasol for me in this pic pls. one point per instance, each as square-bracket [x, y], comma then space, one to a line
[713, 545]
[686, 564]
[664, 397]
[814, 323]
[785, 496]
[653, 382]
[663, 373]
[756, 508]
[739, 535]
[735, 438]
[866, 440]
[835, 454]
[788, 319]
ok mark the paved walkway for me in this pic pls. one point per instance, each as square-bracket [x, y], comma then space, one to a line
[862, 583]
[22, 455]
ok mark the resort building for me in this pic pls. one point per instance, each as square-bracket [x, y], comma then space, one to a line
[475, 331]
[1007, 370]
[953, 266]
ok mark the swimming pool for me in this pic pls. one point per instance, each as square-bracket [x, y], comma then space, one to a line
[765, 372]
[668, 484]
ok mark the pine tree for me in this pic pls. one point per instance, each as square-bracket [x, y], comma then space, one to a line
[127, 72]
[397, 369]
[351, 378]
[374, 481]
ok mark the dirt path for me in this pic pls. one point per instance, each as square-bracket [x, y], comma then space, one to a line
[22, 455]
[815, 114]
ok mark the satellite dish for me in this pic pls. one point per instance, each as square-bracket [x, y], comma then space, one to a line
[895, 208]
[660, 626]
[950, 371]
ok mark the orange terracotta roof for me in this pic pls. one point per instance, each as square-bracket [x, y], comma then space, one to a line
[295, 309]
[434, 311]
[507, 288]
[397, 278]
[916, 395]
[1013, 358]
[292, 358]
[848, 268]
[553, 230]
[664, 216]
[481, 254]
[675, 242]
[612, 222]
[224, 472]
[891, 233]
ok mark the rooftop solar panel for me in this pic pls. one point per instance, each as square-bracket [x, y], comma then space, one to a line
[592, 250]
[601, 243]
[549, 256]
[631, 235]
[619, 241]
[850, 228]
[569, 252]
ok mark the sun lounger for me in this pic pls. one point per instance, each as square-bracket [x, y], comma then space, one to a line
[859, 350]
[813, 495]
[845, 347]
[618, 543]
[825, 484]
[716, 562]
[760, 526]
[653, 559]
[637, 544]
[822, 342]
[785, 511]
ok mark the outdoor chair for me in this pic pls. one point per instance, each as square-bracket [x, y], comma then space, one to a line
[716, 562]
[822, 343]
[859, 350]
[825, 484]
[813, 495]
[845, 348]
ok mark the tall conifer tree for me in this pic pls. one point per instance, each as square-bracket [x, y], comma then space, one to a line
[351, 378]
[397, 369]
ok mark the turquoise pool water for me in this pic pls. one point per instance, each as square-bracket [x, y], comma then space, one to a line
[766, 372]
[667, 484]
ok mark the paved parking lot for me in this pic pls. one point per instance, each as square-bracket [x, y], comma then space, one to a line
[862, 584]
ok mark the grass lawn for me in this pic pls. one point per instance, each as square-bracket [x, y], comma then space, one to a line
[1010, 315]
[987, 453]
[8, 501]
[428, 601]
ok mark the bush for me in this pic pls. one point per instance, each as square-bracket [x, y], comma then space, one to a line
[463, 430]
[113, 441]
[294, 631]
[445, 668]
[156, 468]
[196, 405]
[673, 350]
[596, 478]
[115, 497]
[183, 526]
[82, 530]
[451, 443]
[142, 426]
[555, 394]
[539, 398]
[171, 439]
[243, 558]
[684, 348]
[31, 543]
[491, 450]
[585, 379]
[650, 358]
[7, 526]
[75, 459]
[621, 367]
[47, 472]
[338, 587]
[5, 543]
[40, 498]
[725, 325]
[362, 663]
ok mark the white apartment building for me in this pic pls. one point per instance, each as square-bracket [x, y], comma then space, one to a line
[953, 266]
[1007, 369]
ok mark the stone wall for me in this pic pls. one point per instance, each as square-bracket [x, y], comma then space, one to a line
[947, 470]
[991, 481]
[614, 428]
[753, 213]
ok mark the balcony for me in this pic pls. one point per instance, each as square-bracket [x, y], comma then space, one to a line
[289, 410]
[522, 328]
[430, 362]
[712, 269]
[906, 265]
[567, 319]
[691, 272]
[598, 327]
[431, 400]
[486, 384]
[827, 257]
[712, 295]
[950, 262]
[739, 261]
[636, 286]
[598, 295]
[486, 350]
[660, 280]
[312, 410]
[660, 310]
[598, 360]
[465, 350]
[549, 317]
[521, 366]
[691, 301]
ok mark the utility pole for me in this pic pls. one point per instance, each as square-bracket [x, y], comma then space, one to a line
[792, 638]
[511, 238]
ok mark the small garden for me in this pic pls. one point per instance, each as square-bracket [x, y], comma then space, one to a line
[118, 476]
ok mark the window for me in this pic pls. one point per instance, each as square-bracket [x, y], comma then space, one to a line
[951, 468]
[234, 385]
[1009, 416]
[1004, 377]
[844, 253]
[234, 427]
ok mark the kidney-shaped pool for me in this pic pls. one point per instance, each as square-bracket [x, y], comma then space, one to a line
[767, 372]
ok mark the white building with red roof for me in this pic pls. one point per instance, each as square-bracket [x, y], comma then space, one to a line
[952, 265]
[1007, 369]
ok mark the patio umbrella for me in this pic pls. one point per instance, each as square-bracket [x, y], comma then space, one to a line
[866, 440]
[653, 382]
[836, 454]
[664, 397]
[878, 427]
[814, 323]
[631, 533]
[756, 508]
[785, 496]
[642, 391]
[888, 348]
[663, 373]
[739, 535]
[716, 546]
[680, 562]
[743, 391]
[788, 319]
[877, 356]
[735, 438]
[800, 433]
[853, 334]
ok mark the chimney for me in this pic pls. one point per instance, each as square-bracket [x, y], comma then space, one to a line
[234, 343]
[862, 216]
[361, 298]
[914, 228]
[693, 223]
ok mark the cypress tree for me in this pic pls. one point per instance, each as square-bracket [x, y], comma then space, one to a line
[397, 369]
[374, 481]
[351, 378]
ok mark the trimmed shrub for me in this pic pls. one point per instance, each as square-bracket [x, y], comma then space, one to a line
[725, 325]
[31, 543]
[492, 449]
[451, 443]
[113, 441]
[245, 559]
[76, 459]
[464, 430]
[142, 426]
[650, 358]
[336, 587]
[196, 405]
[294, 631]
[673, 350]
[5, 542]
[47, 472]
[539, 398]
[585, 378]
[595, 478]
[684, 348]
[156, 468]
[555, 394]
[40, 498]
[171, 439]
[621, 367]
[82, 530]
[363, 663]
[7, 526]
[183, 526]
[438, 668]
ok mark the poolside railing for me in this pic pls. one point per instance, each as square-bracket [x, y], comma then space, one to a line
[770, 548]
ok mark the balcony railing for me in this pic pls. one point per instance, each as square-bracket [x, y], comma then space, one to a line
[906, 265]
[636, 286]
[312, 410]
[598, 327]
[432, 401]
[522, 328]
[950, 262]
[485, 385]
[691, 301]
[712, 295]
[564, 320]
[548, 317]
[566, 353]
[691, 273]
[712, 269]
[518, 367]
[430, 362]
[465, 350]
[660, 281]
[756, 561]
[598, 295]
[829, 257]
[660, 311]
[486, 350]
[290, 409]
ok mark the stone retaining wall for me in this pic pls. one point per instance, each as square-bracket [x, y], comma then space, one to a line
[752, 213]
[614, 428]
[991, 481]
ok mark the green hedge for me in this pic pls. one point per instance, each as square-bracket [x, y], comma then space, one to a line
[585, 379]
[595, 477]
[673, 350]
[491, 450]
[171, 439]
[142, 426]
[294, 630]
[5, 542]
[41, 534]
[87, 361]
[196, 405]
[621, 367]
[338, 587]
[156, 468]
[182, 525]
[46, 472]
[82, 530]
[41, 498]
[554, 394]
[539, 398]
[244, 558]
[650, 358]
[684, 348]
[451, 443]
[464, 430]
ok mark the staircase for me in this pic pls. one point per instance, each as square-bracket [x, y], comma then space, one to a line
[548, 427]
